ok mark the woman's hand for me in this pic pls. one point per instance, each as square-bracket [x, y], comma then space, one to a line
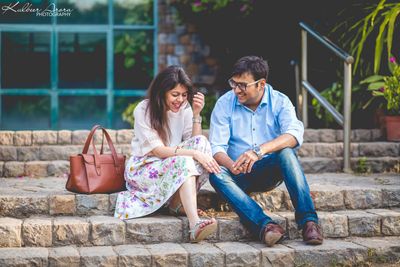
[207, 162]
[198, 104]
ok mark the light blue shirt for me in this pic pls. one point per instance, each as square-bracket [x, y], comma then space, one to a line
[235, 128]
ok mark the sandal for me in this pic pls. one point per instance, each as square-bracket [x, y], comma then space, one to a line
[177, 211]
[197, 234]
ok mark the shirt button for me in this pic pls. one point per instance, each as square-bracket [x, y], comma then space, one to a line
[254, 129]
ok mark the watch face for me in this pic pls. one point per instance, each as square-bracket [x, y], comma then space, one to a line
[257, 150]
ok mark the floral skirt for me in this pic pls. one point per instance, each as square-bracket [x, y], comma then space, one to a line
[152, 181]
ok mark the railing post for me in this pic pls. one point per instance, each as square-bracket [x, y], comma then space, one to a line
[297, 86]
[304, 112]
[347, 118]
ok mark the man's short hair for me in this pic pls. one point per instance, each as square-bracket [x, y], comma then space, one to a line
[256, 66]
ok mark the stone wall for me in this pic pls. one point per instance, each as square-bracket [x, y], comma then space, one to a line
[46, 153]
[181, 45]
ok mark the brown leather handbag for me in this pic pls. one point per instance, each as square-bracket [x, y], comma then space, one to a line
[96, 173]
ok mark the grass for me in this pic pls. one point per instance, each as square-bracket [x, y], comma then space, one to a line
[362, 166]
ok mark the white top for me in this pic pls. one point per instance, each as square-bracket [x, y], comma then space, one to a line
[146, 138]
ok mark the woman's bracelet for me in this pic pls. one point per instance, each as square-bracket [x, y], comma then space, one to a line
[197, 119]
[176, 150]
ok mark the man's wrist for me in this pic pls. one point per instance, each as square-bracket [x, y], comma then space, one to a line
[258, 151]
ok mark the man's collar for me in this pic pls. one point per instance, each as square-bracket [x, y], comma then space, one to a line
[264, 99]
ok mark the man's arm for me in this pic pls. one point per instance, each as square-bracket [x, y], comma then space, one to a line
[292, 136]
[290, 124]
[220, 133]
[279, 143]
[245, 162]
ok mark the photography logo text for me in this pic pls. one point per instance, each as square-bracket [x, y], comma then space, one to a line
[50, 11]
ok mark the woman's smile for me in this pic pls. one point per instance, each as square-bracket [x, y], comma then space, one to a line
[176, 106]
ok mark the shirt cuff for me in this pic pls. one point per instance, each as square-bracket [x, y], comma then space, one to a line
[297, 135]
[217, 149]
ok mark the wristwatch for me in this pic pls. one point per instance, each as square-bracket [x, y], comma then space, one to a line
[258, 152]
[197, 119]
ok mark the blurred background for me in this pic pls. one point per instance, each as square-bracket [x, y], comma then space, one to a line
[69, 64]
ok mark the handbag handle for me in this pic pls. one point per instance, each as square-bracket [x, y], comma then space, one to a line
[90, 137]
[113, 153]
[109, 141]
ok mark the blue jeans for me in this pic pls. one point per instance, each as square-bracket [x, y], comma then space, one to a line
[265, 175]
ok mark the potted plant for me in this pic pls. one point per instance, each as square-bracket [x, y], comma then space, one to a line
[388, 87]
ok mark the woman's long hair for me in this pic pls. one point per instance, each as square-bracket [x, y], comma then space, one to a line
[166, 80]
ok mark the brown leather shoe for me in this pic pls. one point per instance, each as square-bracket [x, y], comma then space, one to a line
[312, 233]
[273, 233]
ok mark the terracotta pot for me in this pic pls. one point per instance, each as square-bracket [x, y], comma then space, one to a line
[392, 128]
[379, 119]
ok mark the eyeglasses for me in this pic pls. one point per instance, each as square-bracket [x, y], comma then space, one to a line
[242, 86]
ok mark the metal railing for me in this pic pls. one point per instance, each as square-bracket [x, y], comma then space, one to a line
[343, 120]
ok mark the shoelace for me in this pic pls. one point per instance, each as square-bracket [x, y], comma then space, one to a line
[314, 227]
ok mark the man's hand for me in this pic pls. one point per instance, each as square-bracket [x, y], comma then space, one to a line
[245, 162]
[235, 171]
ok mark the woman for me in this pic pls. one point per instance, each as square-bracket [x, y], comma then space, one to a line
[170, 159]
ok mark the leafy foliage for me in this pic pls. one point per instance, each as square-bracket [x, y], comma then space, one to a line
[208, 6]
[362, 166]
[134, 12]
[372, 28]
[334, 95]
[379, 22]
[387, 87]
[136, 48]
[209, 104]
[127, 115]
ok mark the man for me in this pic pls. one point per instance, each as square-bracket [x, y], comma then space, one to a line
[253, 133]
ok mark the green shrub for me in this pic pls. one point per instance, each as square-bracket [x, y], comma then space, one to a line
[127, 115]
[210, 101]
[387, 87]
[334, 95]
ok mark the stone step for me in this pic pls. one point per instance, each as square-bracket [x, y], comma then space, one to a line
[78, 137]
[60, 168]
[332, 150]
[62, 137]
[48, 231]
[350, 252]
[331, 135]
[324, 150]
[50, 152]
[24, 197]
[358, 164]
